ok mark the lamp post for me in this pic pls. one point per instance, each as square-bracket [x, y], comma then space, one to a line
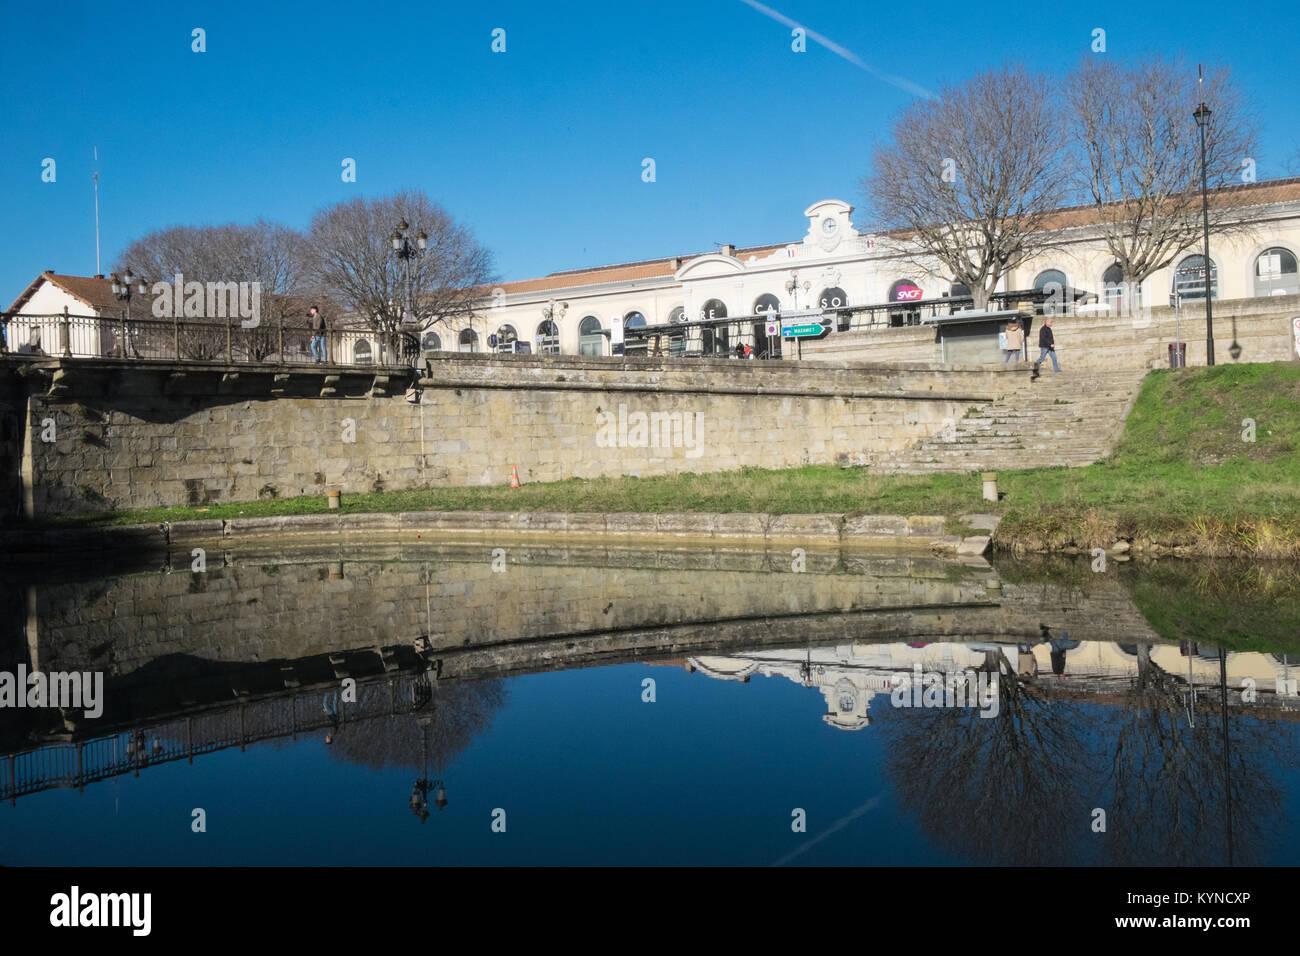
[1202, 117]
[793, 285]
[407, 247]
[124, 289]
[552, 313]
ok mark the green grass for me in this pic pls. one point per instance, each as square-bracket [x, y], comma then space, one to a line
[1181, 474]
[1238, 606]
[1181, 471]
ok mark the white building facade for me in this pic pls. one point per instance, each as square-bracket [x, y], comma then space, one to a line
[835, 265]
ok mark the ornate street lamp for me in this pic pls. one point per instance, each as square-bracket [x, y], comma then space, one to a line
[124, 289]
[406, 247]
[128, 286]
[793, 285]
[1202, 117]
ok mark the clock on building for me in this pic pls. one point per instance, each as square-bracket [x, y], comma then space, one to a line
[829, 225]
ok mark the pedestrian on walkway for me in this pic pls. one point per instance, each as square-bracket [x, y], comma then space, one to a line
[317, 322]
[1046, 346]
[1015, 338]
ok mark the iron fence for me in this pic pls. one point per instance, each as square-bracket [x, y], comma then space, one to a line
[76, 764]
[232, 341]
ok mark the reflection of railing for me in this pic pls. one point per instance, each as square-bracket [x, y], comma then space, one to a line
[231, 340]
[74, 765]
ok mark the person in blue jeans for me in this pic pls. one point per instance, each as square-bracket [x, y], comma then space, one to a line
[317, 322]
[1046, 346]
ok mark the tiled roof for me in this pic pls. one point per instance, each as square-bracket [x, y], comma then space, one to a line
[1246, 194]
[97, 293]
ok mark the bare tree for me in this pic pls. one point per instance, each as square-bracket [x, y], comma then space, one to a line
[1139, 156]
[971, 178]
[267, 253]
[352, 261]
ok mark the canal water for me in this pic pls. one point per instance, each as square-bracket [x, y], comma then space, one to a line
[439, 704]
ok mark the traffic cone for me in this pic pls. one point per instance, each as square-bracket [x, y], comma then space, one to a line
[514, 476]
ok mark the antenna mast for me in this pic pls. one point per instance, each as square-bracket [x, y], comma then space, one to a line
[98, 270]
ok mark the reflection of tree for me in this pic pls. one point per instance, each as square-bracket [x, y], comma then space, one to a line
[456, 712]
[1008, 789]
[1172, 798]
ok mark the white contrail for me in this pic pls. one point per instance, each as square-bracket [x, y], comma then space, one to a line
[839, 824]
[840, 51]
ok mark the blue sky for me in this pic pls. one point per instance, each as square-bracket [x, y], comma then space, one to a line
[539, 149]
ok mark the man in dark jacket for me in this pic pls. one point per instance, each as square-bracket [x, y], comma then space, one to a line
[317, 323]
[1046, 346]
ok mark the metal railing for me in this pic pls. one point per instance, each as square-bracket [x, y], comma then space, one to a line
[230, 341]
[77, 764]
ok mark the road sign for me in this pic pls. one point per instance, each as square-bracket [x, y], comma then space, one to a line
[811, 331]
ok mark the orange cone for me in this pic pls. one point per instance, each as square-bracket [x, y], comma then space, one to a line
[514, 476]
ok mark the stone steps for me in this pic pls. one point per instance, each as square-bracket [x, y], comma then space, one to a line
[1068, 420]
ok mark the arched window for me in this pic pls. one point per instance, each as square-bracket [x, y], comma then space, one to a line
[363, 353]
[634, 320]
[504, 339]
[1054, 283]
[715, 340]
[1112, 287]
[1275, 273]
[548, 338]
[959, 290]
[766, 302]
[713, 309]
[468, 340]
[431, 342]
[905, 290]
[1189, 278]
[833, 298]
[677, 340]
[591, 341]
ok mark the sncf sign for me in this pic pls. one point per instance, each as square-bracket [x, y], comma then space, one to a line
[906, 293]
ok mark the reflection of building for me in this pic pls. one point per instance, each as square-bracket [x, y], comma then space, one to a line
[850, 676]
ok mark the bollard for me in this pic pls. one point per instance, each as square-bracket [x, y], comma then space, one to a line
[990, 485]
[333, 498]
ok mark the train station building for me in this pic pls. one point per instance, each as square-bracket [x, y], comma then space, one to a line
[878, 300]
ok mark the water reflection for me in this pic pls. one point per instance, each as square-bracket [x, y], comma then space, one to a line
[403, 663]
[1183, 767]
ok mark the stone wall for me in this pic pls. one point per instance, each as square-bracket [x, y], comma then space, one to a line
[289, 607]
[127, 436]
[1263, 327]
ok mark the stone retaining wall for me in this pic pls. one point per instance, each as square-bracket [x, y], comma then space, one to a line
[114, 435]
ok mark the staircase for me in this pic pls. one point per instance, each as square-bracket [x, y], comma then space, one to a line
[1073, 418]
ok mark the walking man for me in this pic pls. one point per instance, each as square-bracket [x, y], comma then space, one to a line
[317, 323]
[1046, 346]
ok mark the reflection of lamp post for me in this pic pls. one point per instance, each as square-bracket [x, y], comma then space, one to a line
[1227, 752]
[406, 250]
[1202, 117]
[419, 801]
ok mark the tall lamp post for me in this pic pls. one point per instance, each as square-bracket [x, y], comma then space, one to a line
[1202, 117]
[124, 289]
[405, 249]
[793, 285]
